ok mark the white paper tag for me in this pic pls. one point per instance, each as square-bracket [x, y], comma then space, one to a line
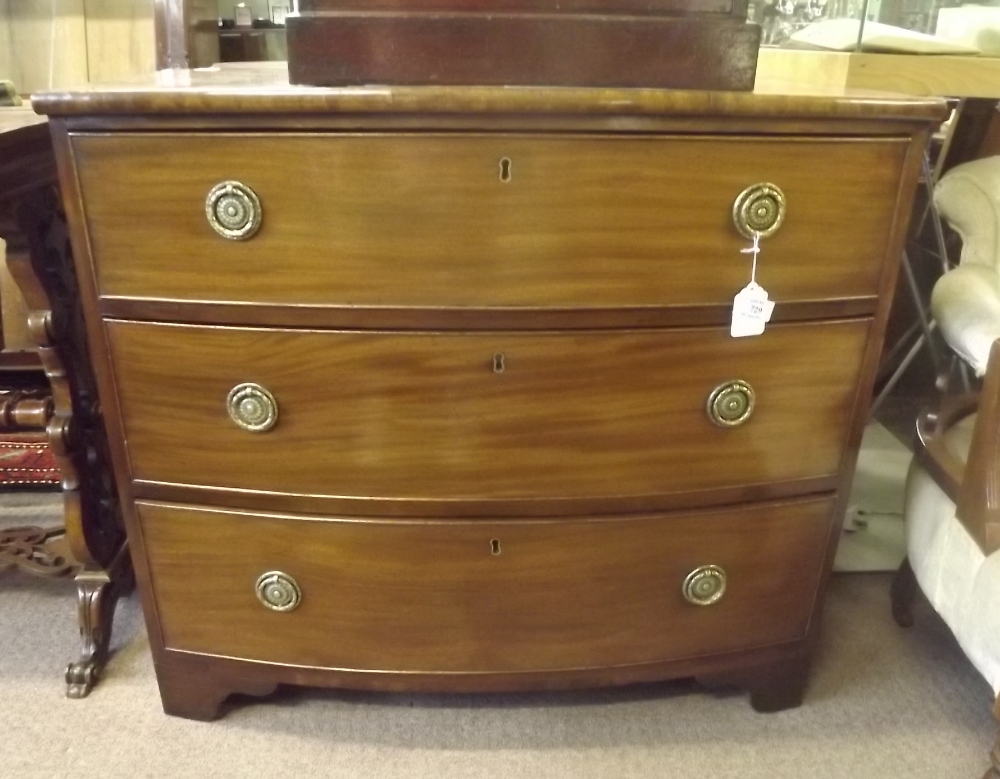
[751, 311]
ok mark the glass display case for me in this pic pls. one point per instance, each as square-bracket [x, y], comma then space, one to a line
[901, 25]
[253, 30]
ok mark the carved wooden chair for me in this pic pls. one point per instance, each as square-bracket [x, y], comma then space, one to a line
[952, 506]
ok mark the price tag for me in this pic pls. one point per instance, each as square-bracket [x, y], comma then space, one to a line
[751, 311]
[751, 308]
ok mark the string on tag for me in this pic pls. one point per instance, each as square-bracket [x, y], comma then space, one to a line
[754, 250]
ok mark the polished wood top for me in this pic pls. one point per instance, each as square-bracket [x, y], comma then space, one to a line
[264, 88]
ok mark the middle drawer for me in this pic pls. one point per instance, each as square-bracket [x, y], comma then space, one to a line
[484, 415]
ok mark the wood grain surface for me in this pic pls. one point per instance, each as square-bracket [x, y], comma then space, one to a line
[978, 504]
[242, 92]
[421, 221]
[698, 8]
[434, 597]
[394, 269]
[425, 416]
[570, 48]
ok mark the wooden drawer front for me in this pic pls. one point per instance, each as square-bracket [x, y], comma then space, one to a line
[426, 415]
[427, 221]
[433, 596]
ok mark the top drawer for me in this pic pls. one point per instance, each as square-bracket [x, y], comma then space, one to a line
[484, 221]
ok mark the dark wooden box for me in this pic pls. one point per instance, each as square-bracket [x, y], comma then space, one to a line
[672, 44]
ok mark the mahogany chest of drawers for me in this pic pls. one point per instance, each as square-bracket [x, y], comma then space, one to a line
[434, 388]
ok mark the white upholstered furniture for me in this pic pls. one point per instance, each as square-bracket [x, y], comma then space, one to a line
[953, 488]
[966, 301]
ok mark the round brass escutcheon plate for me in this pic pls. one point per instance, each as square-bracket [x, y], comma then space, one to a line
[759, 210]
[731, 404]
[233, 210]
[252, 407]
[705, 585]
[278, 591]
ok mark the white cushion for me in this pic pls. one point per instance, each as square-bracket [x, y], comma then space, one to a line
[966, 301]
[961, 583]
[968, 196]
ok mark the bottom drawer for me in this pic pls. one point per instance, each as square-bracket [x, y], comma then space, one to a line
[483, 596]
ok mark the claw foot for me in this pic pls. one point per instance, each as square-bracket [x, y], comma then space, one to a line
[81, 678]
[98, 592]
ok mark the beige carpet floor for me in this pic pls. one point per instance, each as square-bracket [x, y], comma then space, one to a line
[883, 702]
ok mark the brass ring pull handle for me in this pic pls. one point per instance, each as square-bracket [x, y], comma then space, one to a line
[233, 210]
[705, 585]
[731, 404]
[278, 591]
[759, 210]
[252, 407]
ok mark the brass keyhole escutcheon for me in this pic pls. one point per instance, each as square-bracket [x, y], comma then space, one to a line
[495, 546]
[759, 210]
[498, 363]
[731, 404]
[505, 165]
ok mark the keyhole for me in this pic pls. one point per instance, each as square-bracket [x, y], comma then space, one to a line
[495, 546]
[505, 169]
[498, 365]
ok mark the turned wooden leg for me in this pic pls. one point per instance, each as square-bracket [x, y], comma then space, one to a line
[193, 693]
[98, 592]
[902, 592]
[778, 687]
